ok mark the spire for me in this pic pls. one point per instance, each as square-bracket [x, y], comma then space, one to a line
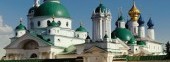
[150, 24]
[21, 20]
[134, 12]
[141, 21]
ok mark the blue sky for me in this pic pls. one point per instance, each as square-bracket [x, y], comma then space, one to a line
[81, 10]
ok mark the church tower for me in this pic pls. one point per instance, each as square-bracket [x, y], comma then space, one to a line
[101, 20]
[151, 32]
[133, 24]
[141, 31]
[20, 30]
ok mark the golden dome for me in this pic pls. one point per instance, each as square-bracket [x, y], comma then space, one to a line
[134, 12]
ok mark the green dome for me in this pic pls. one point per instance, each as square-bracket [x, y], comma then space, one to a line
[122, 33]
[54, 24]
[132, 41]
[141, 43]
[100, 7]
[120, 18]
[20, 27]
[81, 29]
[51, 8]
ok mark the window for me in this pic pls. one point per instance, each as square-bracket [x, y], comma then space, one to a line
[39, 23]
[59, 23]
[48, 40]
[67, 24]
[77, 35]
[48, 22]
[58, 39]
[49, 31]
[16, 34]
[33, 56]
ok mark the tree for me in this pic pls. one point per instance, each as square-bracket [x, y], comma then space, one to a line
[167, 48]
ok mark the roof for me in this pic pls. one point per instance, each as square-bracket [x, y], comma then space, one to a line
[81, 29]
[101, 8]
[51, 8]
[123, 34]
[20, 27]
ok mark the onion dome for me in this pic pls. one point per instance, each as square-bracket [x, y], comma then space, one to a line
[52, 7]
[123, 34]
[150, 24]
[120, 19]
[20, 27]
[54, 24]
[141, 43]
[81, 29]
[132, 41]
[141, 21]
[100, 8]
[134, 12]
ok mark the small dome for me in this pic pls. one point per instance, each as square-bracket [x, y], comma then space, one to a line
[122, 33]
[32, 9]
[20, 27]
[150, 24]
[81, 29]
[142, 43]
[132, 41]
[101, 8]
[140, 21]
[120, 19]
[88, 37]
[134, 12]
[50, 8]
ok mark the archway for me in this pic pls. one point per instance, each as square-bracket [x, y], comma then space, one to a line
[33, 55]
[28, 44]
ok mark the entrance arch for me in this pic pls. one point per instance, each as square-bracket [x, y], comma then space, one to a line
[34, 56]
[28, 44]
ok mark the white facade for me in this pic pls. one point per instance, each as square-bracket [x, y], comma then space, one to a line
[101, 22]
[151, 34]
[44, 41]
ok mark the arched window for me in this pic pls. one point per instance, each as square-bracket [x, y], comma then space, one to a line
[16, 34]
[59, 23]
[39, 23]
[49, 31]
[33, 55]
[77, 35]
[48, 22]
[48, 40]
[67, 24]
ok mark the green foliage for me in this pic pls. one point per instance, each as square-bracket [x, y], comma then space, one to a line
[145, 58]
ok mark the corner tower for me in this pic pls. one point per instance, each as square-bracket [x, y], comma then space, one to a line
[101, 20]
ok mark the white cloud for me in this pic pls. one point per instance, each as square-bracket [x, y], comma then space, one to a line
[5, 34]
